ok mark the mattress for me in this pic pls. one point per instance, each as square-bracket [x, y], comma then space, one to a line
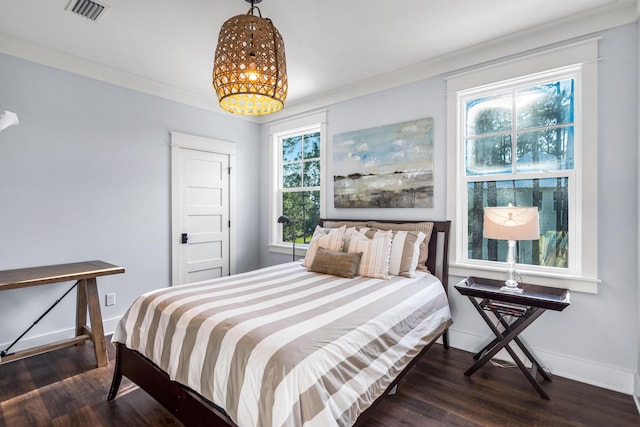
[282, 346]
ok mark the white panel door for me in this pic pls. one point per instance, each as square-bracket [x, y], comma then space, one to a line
[204, 215]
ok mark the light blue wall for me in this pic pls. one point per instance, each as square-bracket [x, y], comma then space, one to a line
[86, 175]
[596, 330]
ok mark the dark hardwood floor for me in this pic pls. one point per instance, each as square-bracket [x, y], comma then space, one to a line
[63, 388]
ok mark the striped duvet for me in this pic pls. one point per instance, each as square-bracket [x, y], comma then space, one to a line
[282, 346]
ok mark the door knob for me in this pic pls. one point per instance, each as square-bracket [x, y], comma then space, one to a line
[184, 238]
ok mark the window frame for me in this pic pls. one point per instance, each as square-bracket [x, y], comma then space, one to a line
[315, 122]
[579, 59]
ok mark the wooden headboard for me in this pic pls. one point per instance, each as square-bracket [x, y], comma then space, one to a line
[438, 260]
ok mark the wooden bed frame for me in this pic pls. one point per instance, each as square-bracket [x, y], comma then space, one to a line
[194, 410]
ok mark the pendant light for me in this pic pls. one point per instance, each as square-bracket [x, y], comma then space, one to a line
[249, 69]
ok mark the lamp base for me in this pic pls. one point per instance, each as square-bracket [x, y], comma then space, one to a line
[511, 286]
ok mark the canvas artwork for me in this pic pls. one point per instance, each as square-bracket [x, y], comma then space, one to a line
[385, 167]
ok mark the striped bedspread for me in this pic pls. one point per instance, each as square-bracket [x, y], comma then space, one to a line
[282, 346]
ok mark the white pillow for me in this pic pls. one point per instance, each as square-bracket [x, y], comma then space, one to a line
[349, 232]
[375, 253]
[328, 238]
[405, 250]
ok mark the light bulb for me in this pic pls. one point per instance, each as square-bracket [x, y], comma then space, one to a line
[252, 72]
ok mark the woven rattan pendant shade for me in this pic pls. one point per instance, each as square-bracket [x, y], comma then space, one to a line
[250, 70]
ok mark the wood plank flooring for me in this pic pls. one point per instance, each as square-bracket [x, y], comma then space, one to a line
[63, 388]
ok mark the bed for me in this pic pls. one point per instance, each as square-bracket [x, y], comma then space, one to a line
[290, 344]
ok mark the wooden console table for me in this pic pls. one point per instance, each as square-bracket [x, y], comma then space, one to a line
[85, 274]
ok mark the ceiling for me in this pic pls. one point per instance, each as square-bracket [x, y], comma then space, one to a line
[333, 47]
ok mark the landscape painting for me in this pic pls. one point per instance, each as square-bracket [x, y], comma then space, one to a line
[385, 167]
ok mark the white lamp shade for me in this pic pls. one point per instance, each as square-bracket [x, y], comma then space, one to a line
[511, 223]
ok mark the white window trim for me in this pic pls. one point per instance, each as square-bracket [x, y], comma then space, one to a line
[300, 123]
[584, 54]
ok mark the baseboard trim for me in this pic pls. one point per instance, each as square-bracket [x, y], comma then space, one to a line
[585, 371]
[636, 393]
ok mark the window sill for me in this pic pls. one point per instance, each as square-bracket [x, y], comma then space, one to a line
[573, 283]
[286, 249]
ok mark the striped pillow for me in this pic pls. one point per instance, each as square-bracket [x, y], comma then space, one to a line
[349, 232]
[425, 227]
[324, 238]
[369, 232]
[405, 250]
[375, 253]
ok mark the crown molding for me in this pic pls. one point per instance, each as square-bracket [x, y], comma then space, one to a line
[555, 33]
[47, 56]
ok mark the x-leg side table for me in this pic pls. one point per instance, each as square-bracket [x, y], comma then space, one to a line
[486, 296]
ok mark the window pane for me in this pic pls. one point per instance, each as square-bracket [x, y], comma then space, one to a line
[303, 208]
[551, 197]
[545, 150]
[545, 105]
[484, 156]
[292, 149]
[312, 174]
[489, 115]
[312, 145]
[292, 175]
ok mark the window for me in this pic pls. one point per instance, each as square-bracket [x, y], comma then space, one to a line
[525, 139]
[298, 151]
[300, 186]
[519, 148]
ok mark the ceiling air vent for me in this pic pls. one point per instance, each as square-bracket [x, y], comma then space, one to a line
[89, 9]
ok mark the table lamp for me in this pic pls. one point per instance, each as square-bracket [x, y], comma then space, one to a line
[511, 223]
[285, 220]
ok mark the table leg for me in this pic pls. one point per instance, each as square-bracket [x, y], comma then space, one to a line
[527, 353]
[502, 341]
[526, 373]
[81, 308]
[97, 330]
[485, 348]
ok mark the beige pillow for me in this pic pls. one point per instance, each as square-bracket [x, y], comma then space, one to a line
[375, 253]
[337, 263]
[425, 227]
[369, 232]
[328, 239]
[337, 224]
[405, 250]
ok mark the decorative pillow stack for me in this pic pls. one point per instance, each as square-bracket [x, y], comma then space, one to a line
[327, 238]
[375, 249]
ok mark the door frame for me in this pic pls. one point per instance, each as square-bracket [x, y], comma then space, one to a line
[181, 141]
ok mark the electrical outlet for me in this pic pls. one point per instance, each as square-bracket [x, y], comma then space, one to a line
[111, 299]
